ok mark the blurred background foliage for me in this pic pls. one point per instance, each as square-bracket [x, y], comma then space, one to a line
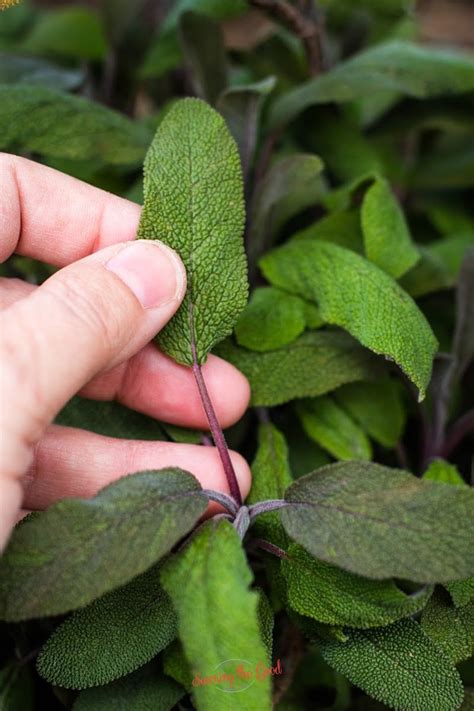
[83, 87]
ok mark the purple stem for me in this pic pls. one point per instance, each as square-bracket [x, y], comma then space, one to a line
[270, 548]
[216, 430]
[266, 506]
[460, 429]
[223, 499]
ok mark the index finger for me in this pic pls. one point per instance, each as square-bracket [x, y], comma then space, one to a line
[55, 218]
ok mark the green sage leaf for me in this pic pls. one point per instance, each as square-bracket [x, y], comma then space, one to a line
[377, 407]
[194, 203]
[398, 66]
[358, 296]
[147, 689]
[397, 665]
[271, 319]
[383, 523]
[111, 637]
[59, 125]
[334, 597]
[241, 107]
[74, 551]
[450, 627]
[333, 429]
[313, 364]
[387, 237]
[17, 69]
[212, 576]
[75, 32]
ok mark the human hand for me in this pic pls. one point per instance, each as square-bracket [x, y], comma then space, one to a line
[87, 329]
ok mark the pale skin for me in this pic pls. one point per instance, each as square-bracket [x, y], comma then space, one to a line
[87, 329]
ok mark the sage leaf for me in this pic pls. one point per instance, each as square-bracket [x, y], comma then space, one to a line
[147, 690]
[59, 125]
[377, 407]
[271, 474]
[461, 591]
[271, 319]
[403, 67]
[74, 551]
[387, 239]
[397, 665]
[111, 637]
[335, 597]
[75, 32]
[16, 688]
[342, 228]
[176, 665]
[241, 107]
[17, 69]
[444, 473]
[333, 429]
[383, 523]
[110, 419]
[211, 575]
[194, 203]
[358, 296]
[450, 627]
[439, 266]
[291, 185]
[313, 364]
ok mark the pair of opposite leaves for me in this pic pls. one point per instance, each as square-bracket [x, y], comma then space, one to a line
[194, 203]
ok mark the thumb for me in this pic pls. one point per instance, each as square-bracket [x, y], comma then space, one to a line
[89, 316]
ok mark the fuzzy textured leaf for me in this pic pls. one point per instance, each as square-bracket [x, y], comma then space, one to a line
[461, 591]
[358, 296]
[377, 407]
[450, 627]
[272, 319]
[111, 637]
[342, 228]
[74, 551]
[314, 364]
[59, 125]
[211, 575]
[399, 666]
[333, 596]
[393, 66]
[383, 523]
[333, 429]
[271, 474]
[194, 203]
[387, 238]
[145, 690]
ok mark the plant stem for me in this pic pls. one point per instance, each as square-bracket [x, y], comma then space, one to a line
[270, 548]
[459, 430]
[223, 499]
[266, 506]
[216, 430]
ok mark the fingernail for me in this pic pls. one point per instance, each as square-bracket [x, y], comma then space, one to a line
[152, 271]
